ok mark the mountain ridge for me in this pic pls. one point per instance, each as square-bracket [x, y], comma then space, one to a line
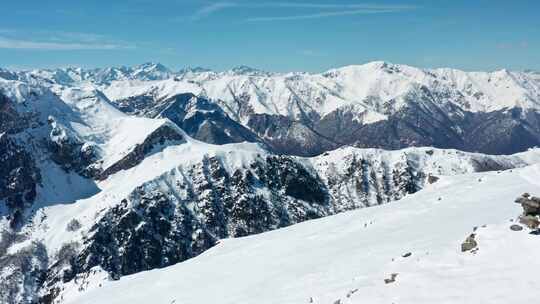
[141, 174]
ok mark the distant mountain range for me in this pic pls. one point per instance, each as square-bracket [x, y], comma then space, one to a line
[376, 105]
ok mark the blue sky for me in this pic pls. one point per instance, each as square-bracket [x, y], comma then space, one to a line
[279, 35]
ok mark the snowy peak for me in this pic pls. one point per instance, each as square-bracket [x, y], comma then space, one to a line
[151, 71]
[307, 114]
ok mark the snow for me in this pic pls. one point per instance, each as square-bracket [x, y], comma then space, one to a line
[352, 253]
[325, 259]
[160, 89]
[431, 160]
[106, 194]
[81, 199]
[374, 88]
[98, 122]
[369, 88]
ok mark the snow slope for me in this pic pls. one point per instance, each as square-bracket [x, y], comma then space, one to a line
[84, 114]
[114, 132]
[347, 257]
[167, 167]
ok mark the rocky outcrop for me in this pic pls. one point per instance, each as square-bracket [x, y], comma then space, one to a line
[71, 153]
[470, 243]
[531, 211]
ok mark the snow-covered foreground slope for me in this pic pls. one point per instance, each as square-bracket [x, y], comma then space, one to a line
[346, 257]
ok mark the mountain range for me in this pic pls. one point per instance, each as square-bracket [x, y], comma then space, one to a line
[307, 114]
[117, 171]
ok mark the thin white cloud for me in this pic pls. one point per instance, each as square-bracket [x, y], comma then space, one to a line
[211, 9]
[324, 10]
[75, 36]
[7, 43]
[333, 6]
[57, 40]
[321, 15]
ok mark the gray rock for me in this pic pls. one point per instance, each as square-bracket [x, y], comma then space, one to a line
[516, 228]
[432, 179]
[469, 243]
[532, 222]
[392, 278]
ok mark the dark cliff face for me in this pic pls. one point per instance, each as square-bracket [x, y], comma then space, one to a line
[205, 121]
[156, 227]
[19, 176]
[19, 179]
[199, 117]
[435, 117]
[287, 136]
[69, 152]
[10, 120]
[423, 121]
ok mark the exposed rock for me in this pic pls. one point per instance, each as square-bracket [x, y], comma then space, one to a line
[516, 228]
[432, 179]
[531, 221]
[422, 122]
[351, 292]
[469, 243]
[73, 225]
[68, 151]
[392, 278]
[19, 178]
[11, 121]
[531, 211]
[406, 255]
[21, 272]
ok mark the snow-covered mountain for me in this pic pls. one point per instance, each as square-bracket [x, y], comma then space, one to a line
[400, 253]
[307, 114]
[101, 76]
[125, 170]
